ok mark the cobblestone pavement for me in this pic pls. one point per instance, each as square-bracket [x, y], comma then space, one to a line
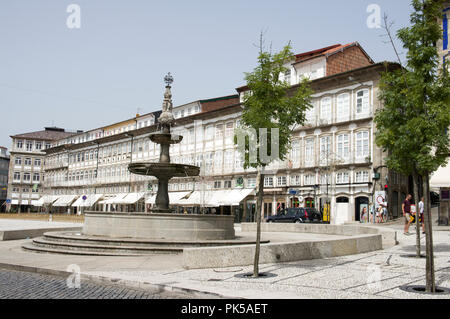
[24, 285]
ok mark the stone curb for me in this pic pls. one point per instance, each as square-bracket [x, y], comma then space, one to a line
[115, 281]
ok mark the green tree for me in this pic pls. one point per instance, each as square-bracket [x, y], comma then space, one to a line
[412, 125]
[270, 112]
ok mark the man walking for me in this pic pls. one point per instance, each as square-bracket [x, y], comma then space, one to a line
[406, 208]
[421, 210]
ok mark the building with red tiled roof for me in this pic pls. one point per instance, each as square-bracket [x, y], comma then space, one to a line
[324, 62]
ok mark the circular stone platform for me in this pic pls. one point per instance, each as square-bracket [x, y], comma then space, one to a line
[159, 226]
[75, 243]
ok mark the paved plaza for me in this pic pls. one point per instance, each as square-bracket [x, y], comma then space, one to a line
[19, 224]
[378, 274]
[25, 285]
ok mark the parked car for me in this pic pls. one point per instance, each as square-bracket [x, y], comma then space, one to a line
[296, 215]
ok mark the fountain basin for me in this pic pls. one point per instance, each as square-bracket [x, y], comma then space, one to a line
[168, 170]
[159, 226]
[165, 138]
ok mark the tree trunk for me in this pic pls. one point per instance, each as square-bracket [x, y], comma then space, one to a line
[430, 278]
[416, 202]
[259, 202]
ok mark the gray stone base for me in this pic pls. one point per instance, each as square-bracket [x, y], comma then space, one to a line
[159, 226]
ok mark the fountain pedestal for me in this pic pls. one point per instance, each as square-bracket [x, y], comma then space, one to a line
[159, 226]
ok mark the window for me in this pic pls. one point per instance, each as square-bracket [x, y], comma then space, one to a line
[229, 129]
[343, 107]
[310, 115]
[219, 131]
[343, 146]
[27, 161]
[37, 162]
[287, 76]
[325, 179]
[208, 162]
[342, 178]
[295, 152]
[199, 160]
[362, 177]
[325, 109]
[36, 177]
[310, 179]
[26, 176]
[35, 190]
[238, 161]
[281, 181]
[29, 145]
[268, 181]
[309, 150]
[19, 144]
[362, 102]
[362, 144]
[227, 184]
[295, 180]
[217, 184]
[251, 182]
[325, 148]
[228, 159]
[16, 176]
[218, 161]
[209, 133]
[47, 145]
[38, 145]
[18, 161]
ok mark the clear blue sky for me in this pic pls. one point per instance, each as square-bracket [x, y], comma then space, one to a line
[101, 73]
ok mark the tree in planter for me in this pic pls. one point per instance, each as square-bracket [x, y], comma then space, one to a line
[416, 114]
[269, 114]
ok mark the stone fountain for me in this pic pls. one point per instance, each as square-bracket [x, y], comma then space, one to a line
[164, 170]
[161, 223]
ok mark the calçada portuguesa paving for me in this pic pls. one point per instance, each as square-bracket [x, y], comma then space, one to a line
[371, 275]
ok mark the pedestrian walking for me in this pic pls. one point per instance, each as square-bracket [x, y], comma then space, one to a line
[421, 211]
[406, 208]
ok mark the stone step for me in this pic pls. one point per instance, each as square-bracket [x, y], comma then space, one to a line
[90, 247]
[77, 237]
[37, 249]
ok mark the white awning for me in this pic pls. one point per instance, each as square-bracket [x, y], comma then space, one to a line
[132, 198]
[174, 198]
[24, 201]
[45, 200]
[89, 200]
[64, 200]
[210, 198]
[441, 178]
[15, 202]
[117, 199]
[232, 197]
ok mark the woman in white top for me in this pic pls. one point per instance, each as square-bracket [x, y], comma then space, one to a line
[421, 210]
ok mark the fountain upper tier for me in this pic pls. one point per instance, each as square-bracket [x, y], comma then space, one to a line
[164, 170]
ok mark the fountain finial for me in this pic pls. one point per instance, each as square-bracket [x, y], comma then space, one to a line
[167, 117]
[168, 79]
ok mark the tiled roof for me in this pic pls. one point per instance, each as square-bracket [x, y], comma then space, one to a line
[324, 51]
[50, 134]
